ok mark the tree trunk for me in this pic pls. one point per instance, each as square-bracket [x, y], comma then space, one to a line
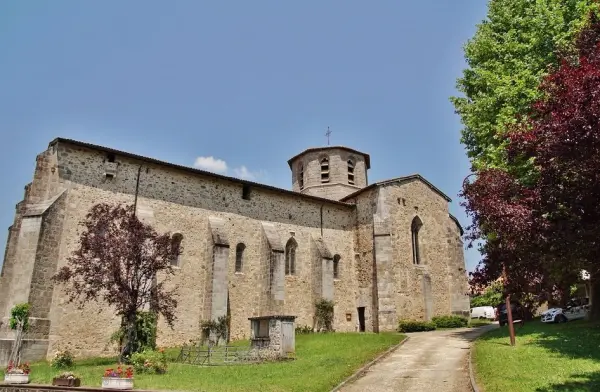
[131, 341]
[594, 314]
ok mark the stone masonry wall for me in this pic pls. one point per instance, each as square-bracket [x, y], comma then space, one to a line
[406, 201]
[365, 260]
[338, 185]
[178, 201]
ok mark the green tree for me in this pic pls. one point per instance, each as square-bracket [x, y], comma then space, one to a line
[492, 296]
[511, 51]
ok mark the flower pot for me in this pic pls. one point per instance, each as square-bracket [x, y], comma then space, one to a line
[16, 378]
[66, 382]
[117, 383]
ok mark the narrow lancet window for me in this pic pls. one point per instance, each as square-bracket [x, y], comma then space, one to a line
[415, 228]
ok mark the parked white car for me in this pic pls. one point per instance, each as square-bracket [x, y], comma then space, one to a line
[487, 312]
[577, 308]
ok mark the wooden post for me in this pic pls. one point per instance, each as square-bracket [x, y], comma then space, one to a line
[511, 327]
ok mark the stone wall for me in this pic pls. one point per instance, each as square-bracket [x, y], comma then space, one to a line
[364, 260]
[405, 290]
[178, 201]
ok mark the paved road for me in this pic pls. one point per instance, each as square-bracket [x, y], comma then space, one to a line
[428, 362]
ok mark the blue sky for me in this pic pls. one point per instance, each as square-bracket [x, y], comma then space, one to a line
[239, 86]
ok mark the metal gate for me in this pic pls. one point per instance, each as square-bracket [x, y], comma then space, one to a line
[288, 336]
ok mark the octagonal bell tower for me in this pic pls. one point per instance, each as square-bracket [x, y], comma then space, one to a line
[331, 172]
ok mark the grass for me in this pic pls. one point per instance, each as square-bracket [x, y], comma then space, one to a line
[322, 361]
[546, 358]
[474, 323]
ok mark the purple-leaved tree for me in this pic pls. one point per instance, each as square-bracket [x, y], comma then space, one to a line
[118, 261]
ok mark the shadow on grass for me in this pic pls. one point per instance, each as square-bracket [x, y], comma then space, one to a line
[575, 339]
[588, 382]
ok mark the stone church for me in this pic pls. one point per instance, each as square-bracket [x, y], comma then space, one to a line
[383, 251]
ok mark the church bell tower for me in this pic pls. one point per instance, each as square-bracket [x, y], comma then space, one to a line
[330, 172]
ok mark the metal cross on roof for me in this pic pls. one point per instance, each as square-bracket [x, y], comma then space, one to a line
[328, 133]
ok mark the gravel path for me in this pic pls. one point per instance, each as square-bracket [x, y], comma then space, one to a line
[428, 362]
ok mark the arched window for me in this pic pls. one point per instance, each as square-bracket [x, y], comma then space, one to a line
[414, 228]
[336, 266]
[290, 257]
[301, 176]
[350, 172]
[325, 170]
[239, 257]
[176, 245]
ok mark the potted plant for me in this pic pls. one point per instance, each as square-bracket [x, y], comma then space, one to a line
[117, 378]
[17, 374]
[66, 379]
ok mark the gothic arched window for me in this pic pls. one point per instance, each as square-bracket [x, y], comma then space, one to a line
[176, 244]
[336, 266]
[350, 172]
[325, 170]
[290, 257]
[414, 228]
[239, 257]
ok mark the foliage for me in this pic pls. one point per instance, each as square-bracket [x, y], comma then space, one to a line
[492, 296]
[545, 230]
[218, 329]
[546, 358]
[324, 314]
[67, 375]
[150, 361]
[119, 372]
[23, 368]
[118, 260]
[20, 313]
[62, 360]
[415, 326]
[322, 361]
[145, 331]
[507, 57]
[304, 329]
[451, 321]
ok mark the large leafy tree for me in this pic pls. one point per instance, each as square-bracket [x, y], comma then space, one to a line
[547, 227]
[118, 260]
[511, 51]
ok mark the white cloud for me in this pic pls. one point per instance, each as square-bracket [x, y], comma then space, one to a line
[243, 173]
[216, 165]
[211, 164]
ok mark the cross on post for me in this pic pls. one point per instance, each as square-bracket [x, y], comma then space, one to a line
[328, 133]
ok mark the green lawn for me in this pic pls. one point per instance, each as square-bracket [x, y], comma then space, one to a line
[322, 361]
[546, 358]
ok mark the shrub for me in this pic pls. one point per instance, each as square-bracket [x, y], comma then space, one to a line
[452, 321]
[62, 360]
[324, 314]
[20, 313]
[415, 326]
[304, 329]
[145, 331]
[150, 361]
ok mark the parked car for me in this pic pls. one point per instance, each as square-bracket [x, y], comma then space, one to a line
[518, 313]
[576, 308]
[486, 312]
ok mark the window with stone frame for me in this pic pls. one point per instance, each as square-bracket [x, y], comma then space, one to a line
[350, 172]
[290, 257]
[301, 175]
[325, 170]
[336, 266]
[239, 257]
[415, 227]
[176, 244]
